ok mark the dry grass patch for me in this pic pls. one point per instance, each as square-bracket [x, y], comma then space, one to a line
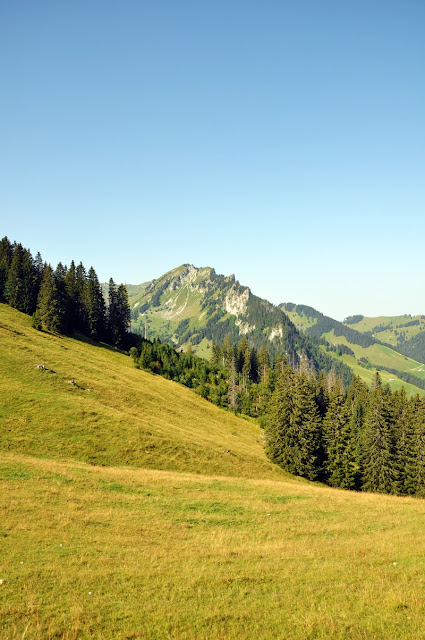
[95, 552]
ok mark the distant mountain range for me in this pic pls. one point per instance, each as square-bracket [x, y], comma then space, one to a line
[196, 306]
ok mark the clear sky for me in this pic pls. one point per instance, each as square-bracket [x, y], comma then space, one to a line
[281, 141]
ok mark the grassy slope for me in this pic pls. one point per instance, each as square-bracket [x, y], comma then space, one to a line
[389, 336]
[241, 550]
[380, 355]
[120, 553]
[117, 415]
[300, 320]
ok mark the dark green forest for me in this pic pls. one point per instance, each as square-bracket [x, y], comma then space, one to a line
[349, 438]
[65, 299]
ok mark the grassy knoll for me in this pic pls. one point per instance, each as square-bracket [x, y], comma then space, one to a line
[136, 510]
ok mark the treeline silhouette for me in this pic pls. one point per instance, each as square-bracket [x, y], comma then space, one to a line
[65, 299]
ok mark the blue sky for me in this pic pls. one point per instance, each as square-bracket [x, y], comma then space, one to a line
[280, 141]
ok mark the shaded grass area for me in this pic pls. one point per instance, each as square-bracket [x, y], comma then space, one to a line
[121, 553]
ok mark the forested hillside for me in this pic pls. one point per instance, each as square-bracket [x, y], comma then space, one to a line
[65, 299]
[359, 343]
[406, 334]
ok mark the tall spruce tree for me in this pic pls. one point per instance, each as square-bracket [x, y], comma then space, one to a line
[48, 304]
[378, 462]
[118, 314]
[244, 361]
[29, 291]
[340, 468]
[72, 296]
[227, 352]
[419, 445]
[307, 427]
[6, 253]
[95, 307]
[62, 298]
[14, 288]
[281, 435]
[81, 319]
[404, 467]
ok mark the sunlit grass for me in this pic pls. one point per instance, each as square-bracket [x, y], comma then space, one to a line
[131, 508]
[115, 414]
[120, 553]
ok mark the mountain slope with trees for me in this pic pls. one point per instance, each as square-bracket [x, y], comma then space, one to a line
[405, 334]
[362, 350]
[197, 307]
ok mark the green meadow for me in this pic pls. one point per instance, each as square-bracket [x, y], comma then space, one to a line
[132, 508]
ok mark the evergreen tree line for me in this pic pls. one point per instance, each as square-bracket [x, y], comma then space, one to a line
[206, 378]
[349, 438]
[238, 376]
[64, 299]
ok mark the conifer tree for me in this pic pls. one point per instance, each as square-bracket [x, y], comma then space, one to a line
[227, 352]
[14, 285]
[339, 446]
[215, 353]
[244, 361]
[404, 467]
[254, 366]
[306, 426]
[118, 314]
[263, 363]
[39, 268]
[72, 294]
[50, 312]
[29, 290]
[81, 318]
[62, 298]
[95, 307]
[233, 389]
[419, 445]
[281, 438]
[6, 253]
[378, 469]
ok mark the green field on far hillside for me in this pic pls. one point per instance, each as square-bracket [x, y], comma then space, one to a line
[407, 325]
[379, 354]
